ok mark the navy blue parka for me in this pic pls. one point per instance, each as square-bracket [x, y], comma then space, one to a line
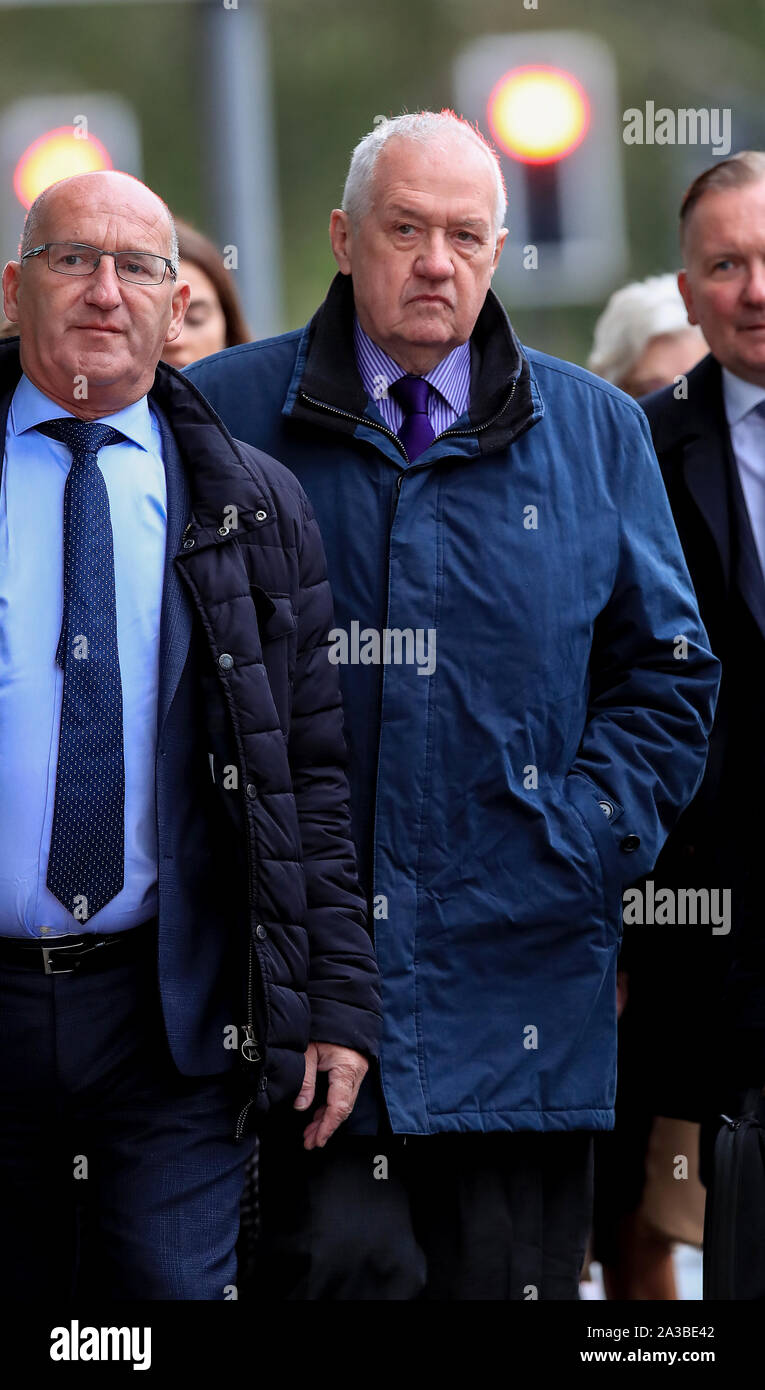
[502, 803]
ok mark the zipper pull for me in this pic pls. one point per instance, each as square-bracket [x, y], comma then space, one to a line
[249, 1048]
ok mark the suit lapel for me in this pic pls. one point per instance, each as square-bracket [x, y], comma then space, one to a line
[706, 476]
[707, 456]
[176, 619]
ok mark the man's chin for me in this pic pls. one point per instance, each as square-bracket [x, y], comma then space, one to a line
[429, 331]
[101, 365]
[750, 366]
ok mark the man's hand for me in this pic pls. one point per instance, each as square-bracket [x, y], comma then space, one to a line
[347, 1070]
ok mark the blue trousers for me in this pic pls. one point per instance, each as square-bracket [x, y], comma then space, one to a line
[95, 1118]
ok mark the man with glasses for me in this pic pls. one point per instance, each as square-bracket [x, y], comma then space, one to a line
[181, 933]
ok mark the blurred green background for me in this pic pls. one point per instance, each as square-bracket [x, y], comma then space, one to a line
[338, 63]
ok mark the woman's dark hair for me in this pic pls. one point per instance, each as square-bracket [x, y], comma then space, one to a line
[195, 247]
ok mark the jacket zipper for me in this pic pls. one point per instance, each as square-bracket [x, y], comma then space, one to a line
[445, 434]
[249, 1046]
[360, 420]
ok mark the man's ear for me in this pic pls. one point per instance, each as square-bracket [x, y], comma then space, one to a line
[11, 290]
[684, 286]
[180, 303]
[341, 238]
[501, 239]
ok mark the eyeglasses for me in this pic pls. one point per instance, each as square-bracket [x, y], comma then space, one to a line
[74, 258]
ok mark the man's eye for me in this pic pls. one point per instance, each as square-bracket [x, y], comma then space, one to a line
[405, 227]
[467, 236]
[722, 265]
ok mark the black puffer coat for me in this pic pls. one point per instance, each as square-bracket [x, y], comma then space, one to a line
[262, 923]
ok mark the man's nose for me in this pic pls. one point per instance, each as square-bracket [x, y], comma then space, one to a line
[104, 285]
[434, 261]
[754, 289]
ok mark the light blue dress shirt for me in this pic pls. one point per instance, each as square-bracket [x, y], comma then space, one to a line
[747, 436]
[35, 469]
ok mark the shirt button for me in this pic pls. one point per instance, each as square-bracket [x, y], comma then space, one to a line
[261, 932]
[44, 930]
[261, 515]
[223, 530]
[251, 790]
[606, 808]
[630, 843]
[225, 661]
[189, 544]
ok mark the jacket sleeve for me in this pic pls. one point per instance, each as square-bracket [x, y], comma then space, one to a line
[343, 985]
[653, 679]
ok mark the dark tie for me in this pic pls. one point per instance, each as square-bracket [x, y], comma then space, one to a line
[86, 866]
[416, 431]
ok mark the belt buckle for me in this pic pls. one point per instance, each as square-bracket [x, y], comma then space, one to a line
[48, 953]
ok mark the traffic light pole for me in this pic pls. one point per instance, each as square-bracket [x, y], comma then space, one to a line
[239, 141]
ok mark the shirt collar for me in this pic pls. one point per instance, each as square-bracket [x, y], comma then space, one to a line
[30, 407]
[450, 377]
[740, 397]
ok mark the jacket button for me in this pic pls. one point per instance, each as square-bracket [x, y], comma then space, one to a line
[223, 530]
[606, 808]
[261, 515]
[225, 661]
[630, 843]
[251, 790]
[189, 544]
[261, 932]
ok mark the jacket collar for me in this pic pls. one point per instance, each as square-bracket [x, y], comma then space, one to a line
[701, 416]
[327, 390]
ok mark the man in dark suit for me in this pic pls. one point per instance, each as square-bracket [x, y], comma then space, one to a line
[182, 938]
[709, 435]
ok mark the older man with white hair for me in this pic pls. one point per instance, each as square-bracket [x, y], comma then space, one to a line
[528, 690]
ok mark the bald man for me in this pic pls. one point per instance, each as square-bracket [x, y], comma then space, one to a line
[182, 937]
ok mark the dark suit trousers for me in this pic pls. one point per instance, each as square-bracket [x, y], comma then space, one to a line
[95, 1117]
[444, 1216]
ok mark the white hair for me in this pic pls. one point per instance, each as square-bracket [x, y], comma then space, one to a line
[434, 127]
[632, 318]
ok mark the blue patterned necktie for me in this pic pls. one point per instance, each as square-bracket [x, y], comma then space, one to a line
[416, 431]
[86, 866]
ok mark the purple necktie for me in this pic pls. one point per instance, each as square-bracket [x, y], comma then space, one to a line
[416, 431]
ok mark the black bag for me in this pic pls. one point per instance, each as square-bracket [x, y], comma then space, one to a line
[734, 1220]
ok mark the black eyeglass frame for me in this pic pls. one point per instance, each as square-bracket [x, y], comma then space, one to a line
[84, 246]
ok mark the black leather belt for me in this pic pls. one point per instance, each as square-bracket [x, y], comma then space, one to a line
[62, 955]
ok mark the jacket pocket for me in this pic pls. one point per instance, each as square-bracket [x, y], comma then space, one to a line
[599, 812]
[275, 614]
[277, 626]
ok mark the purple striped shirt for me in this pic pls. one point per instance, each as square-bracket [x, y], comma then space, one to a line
[450, 379]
